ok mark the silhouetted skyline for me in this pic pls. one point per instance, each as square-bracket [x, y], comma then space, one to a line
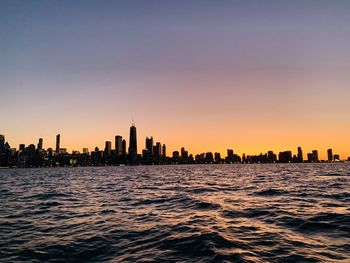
[153, 153]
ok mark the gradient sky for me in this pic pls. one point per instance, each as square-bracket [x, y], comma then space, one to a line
[208, 75]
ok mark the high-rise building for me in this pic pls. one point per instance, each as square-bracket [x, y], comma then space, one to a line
[149, 144]
[58, 141]
[209, 158]
[184, 153]
[244, 158]
[86, 151]
[3, 158]
[176, 155]
[164, 150]
[217, 157]
[330, 155]
[63, 150]
[2, 142]
[285, 157]
[118, 145]
[132, 142]
[108, 148]
[230, 156]
[157, 149]
[300, 155]
[309, 157]
[230, 153]
[124, 148]
[315, 155]
[271, 157]
[40, 144]
[49, 153]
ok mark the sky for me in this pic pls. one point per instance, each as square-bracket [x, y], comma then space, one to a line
[207, 75]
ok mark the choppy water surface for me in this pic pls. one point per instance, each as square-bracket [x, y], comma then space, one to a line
[243, 213]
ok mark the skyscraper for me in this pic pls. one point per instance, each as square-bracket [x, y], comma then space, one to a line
[124, 148]
[2, 142]
[285, 157]
[315, 156]
[330, 155]
[119, 145]
[149, 144]
[300, 155]
[176, 154]
[244, 158]
[164, 150]
[217, 157]
[157, 149]
[184, 153]
[2, 151]
[58, 141]
[230, 154]
[40, 144]
[132, 142]
[271, 157]
[108, 148]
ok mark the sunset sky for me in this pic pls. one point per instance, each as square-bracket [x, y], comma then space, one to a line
[207, 75]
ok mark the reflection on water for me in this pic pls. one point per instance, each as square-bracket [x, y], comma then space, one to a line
[250, 213]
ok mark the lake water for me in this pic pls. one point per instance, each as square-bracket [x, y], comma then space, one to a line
[194, 213]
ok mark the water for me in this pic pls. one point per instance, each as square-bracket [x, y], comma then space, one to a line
[197, 213]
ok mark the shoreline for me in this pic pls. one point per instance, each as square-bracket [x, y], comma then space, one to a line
[170, 164]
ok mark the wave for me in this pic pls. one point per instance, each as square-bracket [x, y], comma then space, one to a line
[271, 192]
[253, 213]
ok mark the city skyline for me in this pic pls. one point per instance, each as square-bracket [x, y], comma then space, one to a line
[51, 142]
[153, 152]
[250, 74]
[323, 152]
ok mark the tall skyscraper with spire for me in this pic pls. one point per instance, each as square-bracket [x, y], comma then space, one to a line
[132, 143]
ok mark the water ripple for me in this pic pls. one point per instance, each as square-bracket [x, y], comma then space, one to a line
[195, 213]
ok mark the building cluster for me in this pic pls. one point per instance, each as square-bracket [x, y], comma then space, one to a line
[154, 153]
